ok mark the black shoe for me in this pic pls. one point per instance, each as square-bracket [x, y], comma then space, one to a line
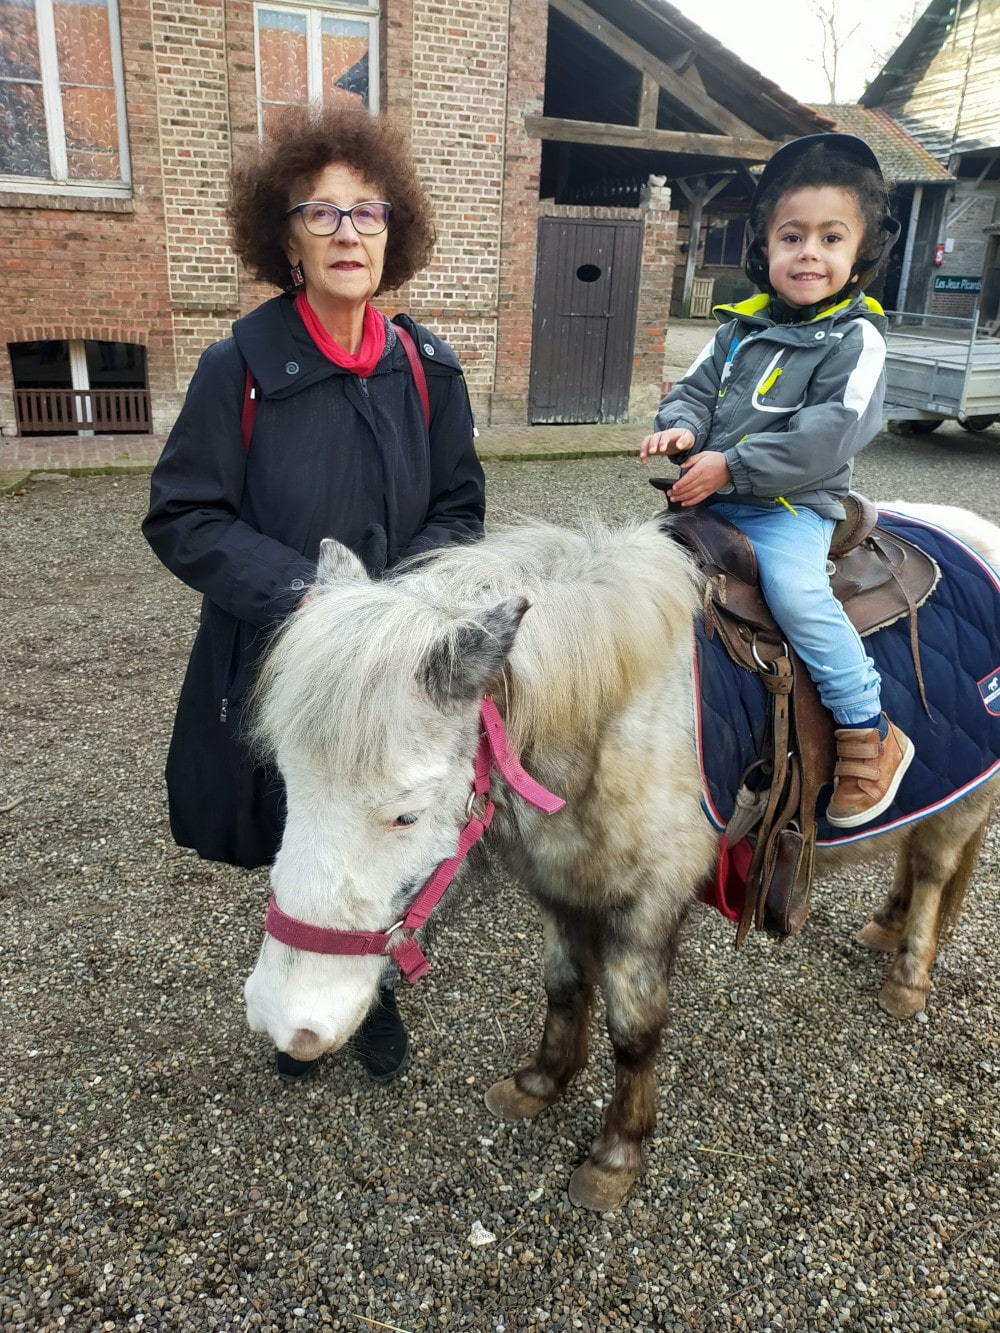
[292, 1071]
[382, 1044]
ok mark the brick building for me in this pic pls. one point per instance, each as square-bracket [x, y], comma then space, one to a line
[119, 120]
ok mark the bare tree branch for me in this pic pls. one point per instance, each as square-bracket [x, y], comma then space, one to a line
[835, 37]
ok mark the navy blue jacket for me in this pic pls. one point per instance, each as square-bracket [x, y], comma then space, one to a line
[331, 455]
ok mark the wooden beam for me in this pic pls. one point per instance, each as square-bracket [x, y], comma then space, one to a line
[698, 193]
[701, 189]
[688, 91]
[660, 141]
[649, 103]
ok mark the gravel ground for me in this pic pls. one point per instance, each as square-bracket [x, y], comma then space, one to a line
[817, 1165]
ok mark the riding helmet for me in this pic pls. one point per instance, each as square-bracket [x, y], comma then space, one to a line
[845, 145]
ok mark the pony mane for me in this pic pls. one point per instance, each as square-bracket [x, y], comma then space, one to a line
[608, 608]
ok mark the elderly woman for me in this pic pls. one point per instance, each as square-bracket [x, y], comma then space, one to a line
[313, 420]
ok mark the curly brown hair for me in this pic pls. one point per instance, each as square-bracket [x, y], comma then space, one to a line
[297, 149]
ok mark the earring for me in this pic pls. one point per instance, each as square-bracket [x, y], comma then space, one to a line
[297, 279]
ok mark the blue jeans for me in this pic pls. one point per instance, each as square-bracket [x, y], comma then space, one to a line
[792, 552]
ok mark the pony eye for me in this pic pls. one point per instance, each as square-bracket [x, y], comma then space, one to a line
[404, 821]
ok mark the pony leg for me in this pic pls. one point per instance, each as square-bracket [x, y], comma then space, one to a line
[941, 854]
[565, 1039]
[636, 990]
[884, 931]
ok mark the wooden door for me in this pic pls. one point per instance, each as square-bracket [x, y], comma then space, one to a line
[583, 329]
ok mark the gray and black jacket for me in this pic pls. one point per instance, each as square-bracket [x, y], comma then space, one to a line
[789, 405]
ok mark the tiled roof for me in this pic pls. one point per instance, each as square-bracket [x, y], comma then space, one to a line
[903, 159]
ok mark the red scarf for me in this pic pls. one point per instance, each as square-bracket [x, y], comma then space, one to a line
[364, 361]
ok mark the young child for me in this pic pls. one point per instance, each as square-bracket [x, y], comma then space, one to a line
[766, 423]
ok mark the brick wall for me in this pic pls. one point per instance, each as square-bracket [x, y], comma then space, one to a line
[93, 266]
[459, 75]
[972, 209]
[446, 80]
[656, 276]
[190, 50]
[518, 241]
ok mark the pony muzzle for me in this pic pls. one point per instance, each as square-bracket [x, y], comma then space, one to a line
[305, 1045]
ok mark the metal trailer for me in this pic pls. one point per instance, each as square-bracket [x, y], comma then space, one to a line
[938, 369]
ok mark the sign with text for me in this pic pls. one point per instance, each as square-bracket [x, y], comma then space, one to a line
[946, 282]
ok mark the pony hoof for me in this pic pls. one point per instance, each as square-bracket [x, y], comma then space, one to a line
[506, 1101]
[881, 939]
[902, 1001]
[592, 1187]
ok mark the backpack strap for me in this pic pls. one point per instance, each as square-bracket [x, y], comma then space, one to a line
[417, 367]
[250, 389]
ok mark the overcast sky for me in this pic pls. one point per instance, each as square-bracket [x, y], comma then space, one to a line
[782, 39]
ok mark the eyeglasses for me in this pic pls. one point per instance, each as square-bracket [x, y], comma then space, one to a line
[368, 219]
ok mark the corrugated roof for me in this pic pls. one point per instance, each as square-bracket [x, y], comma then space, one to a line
[902, 158]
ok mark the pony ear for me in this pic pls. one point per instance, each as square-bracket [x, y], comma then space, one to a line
[337, 563]
[466, 663]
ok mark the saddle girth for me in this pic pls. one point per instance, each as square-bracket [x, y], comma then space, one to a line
[878, 578]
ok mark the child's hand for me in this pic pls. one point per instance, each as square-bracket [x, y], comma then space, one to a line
[701, 477]
[675, 441]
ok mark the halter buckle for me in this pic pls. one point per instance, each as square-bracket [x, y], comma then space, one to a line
[470, 804]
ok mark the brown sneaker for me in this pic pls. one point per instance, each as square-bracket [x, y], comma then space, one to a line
[867, 775]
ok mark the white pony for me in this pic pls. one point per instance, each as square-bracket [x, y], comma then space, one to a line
[371, 703]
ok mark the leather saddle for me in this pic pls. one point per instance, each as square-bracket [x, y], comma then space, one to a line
[879, 578]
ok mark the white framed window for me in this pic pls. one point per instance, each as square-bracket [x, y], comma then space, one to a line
[62, 97]
[314, 54]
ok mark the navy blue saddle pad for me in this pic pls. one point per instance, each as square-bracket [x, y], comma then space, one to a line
[957, 746]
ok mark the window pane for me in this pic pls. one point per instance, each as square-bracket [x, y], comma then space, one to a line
[284, 66]
[24, 148]
[86, 77]
[270, 114]
[116, 365]
[24, 145]
[733, 250]
[713, 245]
[345, 60]
[83, 42]
[41, 365]
[724, 244]
[91, 133]
[18, 41]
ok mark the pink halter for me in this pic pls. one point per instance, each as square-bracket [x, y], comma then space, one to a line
[397, 941]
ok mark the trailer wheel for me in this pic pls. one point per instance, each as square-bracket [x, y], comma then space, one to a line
[923, 425]
[977, 424]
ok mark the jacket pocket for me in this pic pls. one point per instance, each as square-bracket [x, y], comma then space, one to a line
[774, 392]
[228, 656]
